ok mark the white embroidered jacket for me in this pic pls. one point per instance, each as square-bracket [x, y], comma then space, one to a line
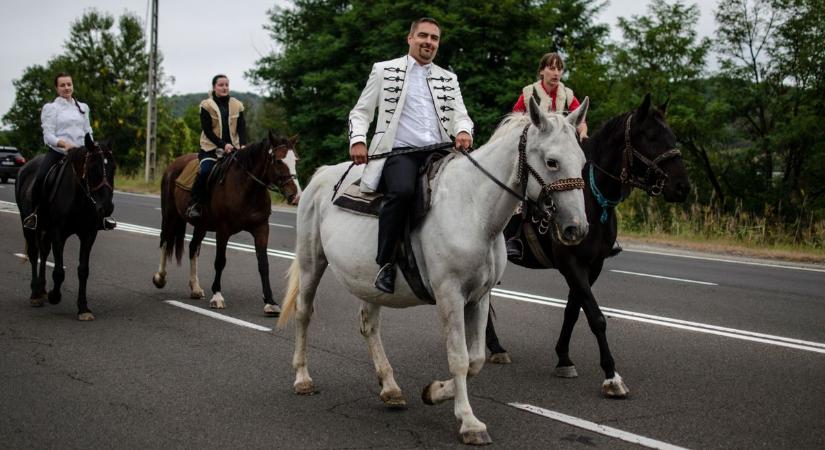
[387, 91]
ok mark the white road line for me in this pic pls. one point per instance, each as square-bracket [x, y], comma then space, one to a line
[215, 315]
[732, 261]
[745, 335]
[280, 225]
[664, 277]
[137, 195]
[798, 344]
[22, 256]
[596, 428]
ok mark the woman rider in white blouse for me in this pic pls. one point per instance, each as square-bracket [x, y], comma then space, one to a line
[65, 122]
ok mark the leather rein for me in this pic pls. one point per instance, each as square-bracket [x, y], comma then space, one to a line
[544, 207]
[280, 180]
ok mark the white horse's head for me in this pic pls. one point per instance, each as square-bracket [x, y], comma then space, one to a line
[553, 151]
[291, 161]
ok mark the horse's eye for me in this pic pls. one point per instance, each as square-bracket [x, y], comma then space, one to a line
[552, 164]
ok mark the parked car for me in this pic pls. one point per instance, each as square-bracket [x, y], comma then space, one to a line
[10, 162]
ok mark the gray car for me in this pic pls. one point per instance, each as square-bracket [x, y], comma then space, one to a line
[10, 162]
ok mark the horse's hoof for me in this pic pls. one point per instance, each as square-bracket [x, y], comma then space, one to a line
[565, 372]
[476, 438]
[305, 388]
[86, 317]
[54, 297]
[500, 358]
[36, 302]
[615, 387]
[272, 310]
[159, 281]
[394, 400]
[217, 302]
[427, 394]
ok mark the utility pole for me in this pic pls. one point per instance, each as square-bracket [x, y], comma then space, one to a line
[152, 107]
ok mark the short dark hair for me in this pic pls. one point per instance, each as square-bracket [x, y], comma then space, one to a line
[550, 59]
[415, 23]
[59, 76]
[218, 77]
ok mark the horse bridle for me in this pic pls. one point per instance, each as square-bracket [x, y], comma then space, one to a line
[280, 181]
[542, 210]
[84, 178]
[626, 176]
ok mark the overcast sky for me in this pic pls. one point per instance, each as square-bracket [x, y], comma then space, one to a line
[198, 38]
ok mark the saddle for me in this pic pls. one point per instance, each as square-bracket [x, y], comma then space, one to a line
[187, 177]
[369, 204]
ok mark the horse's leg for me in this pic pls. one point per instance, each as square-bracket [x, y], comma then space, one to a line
[391, 394]
[451, 311]
[304, 276]
[221, 239]
[86, 242]
[59, 273]
[38, 283]
[44, 246]
[580, 279]
[261, 235]
[565, 367]
[159, 279]
[498, 355]
[195, 289]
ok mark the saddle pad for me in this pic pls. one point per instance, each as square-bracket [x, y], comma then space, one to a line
[367, 203]
[187, 177]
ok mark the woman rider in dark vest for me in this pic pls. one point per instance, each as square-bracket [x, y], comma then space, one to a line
[222, 127]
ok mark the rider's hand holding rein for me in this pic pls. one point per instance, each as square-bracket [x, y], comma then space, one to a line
[358, 153]
[463, 141]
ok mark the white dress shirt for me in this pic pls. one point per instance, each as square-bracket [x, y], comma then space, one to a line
[60, 119]
[418, 125]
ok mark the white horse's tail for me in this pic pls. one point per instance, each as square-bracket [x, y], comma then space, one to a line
[291, 297]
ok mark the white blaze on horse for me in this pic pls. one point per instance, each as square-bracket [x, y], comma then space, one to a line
[458, 245]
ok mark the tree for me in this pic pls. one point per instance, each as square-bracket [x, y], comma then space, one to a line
[327, 48]
[109, 64]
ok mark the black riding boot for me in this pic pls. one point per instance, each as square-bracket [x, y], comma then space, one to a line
[385, 280]
[515, 249]
[615, 250]
[195, 209]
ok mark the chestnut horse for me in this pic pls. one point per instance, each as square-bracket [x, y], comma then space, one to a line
[239, 201]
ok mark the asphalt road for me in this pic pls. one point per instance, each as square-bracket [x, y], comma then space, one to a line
[717, 354]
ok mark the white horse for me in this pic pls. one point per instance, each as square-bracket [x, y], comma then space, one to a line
[459, 247]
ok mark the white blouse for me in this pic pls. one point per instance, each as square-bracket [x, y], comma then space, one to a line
[60, 119]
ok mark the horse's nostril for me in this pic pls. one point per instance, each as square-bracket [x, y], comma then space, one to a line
[572, 233]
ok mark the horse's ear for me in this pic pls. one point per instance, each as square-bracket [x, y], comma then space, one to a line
[641, 113]
[270, 136]
[663, 106]
[538, 119]
[88, 142]
[294, 139]
[577, 117]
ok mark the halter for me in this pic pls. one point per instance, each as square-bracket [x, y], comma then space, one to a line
[525, 170]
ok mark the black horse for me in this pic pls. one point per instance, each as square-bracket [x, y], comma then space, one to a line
[635, 149]
[75, 200]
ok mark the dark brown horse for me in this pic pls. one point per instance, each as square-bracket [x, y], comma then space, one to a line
[239, 201]
[82, 198]
[635, 149]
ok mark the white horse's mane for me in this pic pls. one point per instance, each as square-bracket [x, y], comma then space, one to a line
[516, 120]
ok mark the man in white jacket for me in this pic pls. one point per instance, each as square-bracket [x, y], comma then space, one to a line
[419, 104]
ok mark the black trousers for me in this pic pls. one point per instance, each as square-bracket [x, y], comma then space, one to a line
[49, 159]
[398, 185]
[207, 161]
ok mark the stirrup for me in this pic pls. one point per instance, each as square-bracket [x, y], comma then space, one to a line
[194, 211]
[30, 222]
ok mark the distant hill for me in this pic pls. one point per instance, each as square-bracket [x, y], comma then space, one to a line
[178, 104]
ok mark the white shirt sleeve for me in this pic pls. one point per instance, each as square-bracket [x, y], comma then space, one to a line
[362, 114]
[48, 121]
[88, 126]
